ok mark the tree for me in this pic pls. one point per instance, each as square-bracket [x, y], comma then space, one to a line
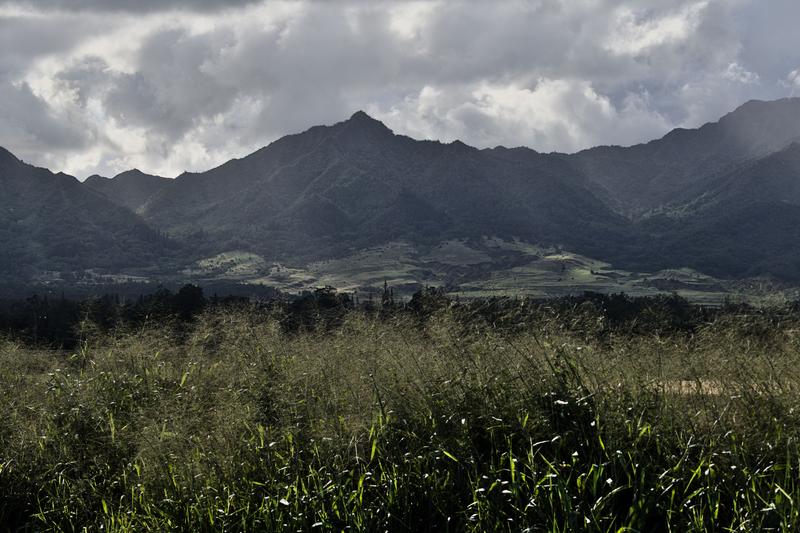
[189, 301]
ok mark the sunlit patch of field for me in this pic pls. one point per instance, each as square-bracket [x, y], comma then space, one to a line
[478, 268]
[556, 274]
[395, 263]
[233, 265]
[89, 277]
[286, 278]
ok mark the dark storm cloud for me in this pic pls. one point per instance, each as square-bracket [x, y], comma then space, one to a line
[29, 124]
[24, 39]
[189, 84]
[129, 6]
[170, 89]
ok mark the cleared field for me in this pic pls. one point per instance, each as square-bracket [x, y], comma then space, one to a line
[235, 265]
[480, 268]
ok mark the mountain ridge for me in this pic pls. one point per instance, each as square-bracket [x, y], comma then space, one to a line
[722, 199]
[357, 169]
[131, 189]
[647, 175]
[51, 222]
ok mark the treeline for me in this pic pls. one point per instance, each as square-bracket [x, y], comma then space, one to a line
[61, 322]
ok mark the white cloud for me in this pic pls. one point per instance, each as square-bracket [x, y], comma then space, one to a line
[553, 115]
[107, 86]
[739, 74]
[635, 32]
[793, 80]
[409, 19]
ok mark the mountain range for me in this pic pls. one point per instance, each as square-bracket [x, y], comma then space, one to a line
[53, 223]
[722, 200]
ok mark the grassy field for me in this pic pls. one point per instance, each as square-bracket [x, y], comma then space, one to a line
[397, 424]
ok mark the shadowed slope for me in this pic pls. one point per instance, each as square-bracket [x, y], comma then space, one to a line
[131, 189]
[49, 222]
[361, 183]
[646, 176]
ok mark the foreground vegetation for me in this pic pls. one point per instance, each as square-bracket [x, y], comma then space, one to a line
[405, 422]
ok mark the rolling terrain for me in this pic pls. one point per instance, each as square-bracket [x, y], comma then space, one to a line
[354, 205]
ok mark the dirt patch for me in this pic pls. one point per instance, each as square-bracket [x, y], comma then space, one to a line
[697, 386]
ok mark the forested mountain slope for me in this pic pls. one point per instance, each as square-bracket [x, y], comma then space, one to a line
[49, 222]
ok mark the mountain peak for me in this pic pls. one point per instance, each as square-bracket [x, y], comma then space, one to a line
[136, 174]
[361, 115]
[362, 126]
[363, 120]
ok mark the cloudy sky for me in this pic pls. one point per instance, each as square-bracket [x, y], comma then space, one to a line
[100, 86]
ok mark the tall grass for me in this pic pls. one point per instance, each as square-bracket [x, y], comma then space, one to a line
[391, 425]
